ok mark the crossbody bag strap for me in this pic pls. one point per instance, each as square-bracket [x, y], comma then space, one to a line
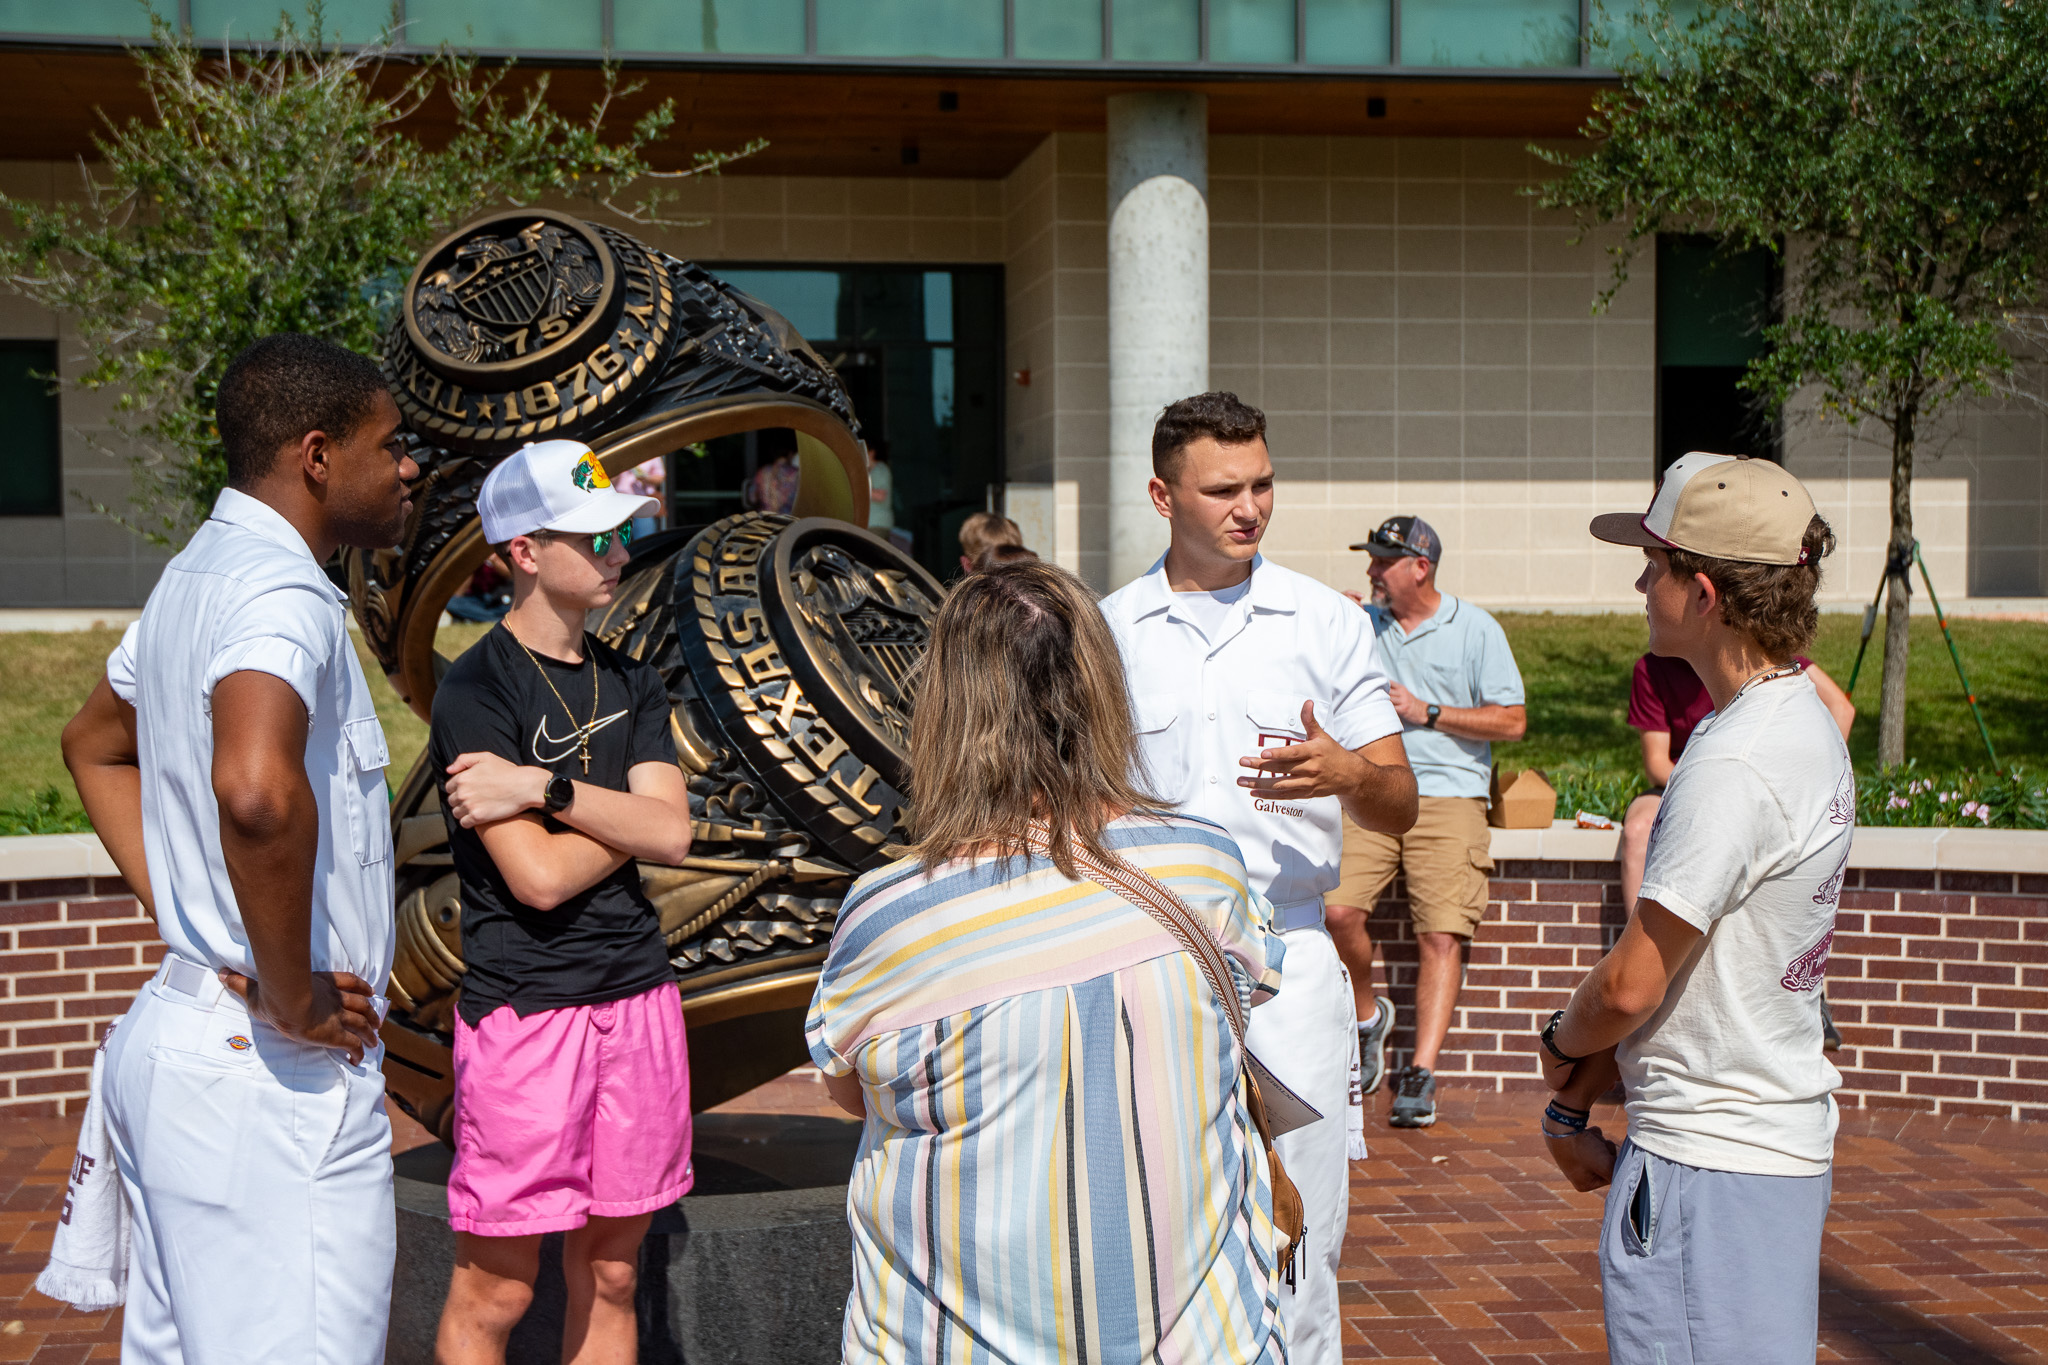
[1156, 899]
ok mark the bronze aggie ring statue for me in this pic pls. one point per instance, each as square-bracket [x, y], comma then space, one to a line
[787, 643]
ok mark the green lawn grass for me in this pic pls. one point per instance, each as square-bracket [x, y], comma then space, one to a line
[1577, 670]
[44, 676]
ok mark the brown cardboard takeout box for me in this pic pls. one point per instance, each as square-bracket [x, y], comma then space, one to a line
[1521, 800]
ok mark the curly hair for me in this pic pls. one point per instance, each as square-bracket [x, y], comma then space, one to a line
[282, 386]
[1771, 603]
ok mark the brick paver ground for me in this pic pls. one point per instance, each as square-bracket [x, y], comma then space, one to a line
[1464, 1246]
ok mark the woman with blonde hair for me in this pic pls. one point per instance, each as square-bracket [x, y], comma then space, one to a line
[1057, 1162]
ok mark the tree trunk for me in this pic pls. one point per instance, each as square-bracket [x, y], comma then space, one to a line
[1891, 718]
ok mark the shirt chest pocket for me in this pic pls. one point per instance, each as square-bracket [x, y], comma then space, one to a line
[1163, 742]
[369, 811]
[1275, 719]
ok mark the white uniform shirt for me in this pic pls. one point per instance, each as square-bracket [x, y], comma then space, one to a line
[1202, 706]
[246, 594]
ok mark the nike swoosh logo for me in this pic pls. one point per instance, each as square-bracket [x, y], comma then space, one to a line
[571, 743]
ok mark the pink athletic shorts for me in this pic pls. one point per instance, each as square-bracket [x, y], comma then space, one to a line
[570, 1113]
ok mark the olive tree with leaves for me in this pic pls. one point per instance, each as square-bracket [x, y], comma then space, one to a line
[1894, 153]
[288, 187]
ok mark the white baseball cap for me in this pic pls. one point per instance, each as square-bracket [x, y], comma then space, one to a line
[553, 486]
[1720, 506]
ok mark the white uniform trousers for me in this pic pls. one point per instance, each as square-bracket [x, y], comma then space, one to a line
[258, 1173]
[1307, 1035]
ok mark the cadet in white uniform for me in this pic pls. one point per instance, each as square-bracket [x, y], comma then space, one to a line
[233, 764]
[1226, 652]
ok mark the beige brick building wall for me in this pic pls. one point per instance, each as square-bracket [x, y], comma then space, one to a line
[78, 558]
[1420, 335]
[1422, 340]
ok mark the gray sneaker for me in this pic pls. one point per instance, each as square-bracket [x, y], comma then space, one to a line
[1414, 1098]
[1372, 1047]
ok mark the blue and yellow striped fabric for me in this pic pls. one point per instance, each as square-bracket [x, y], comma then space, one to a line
[1057, 1163]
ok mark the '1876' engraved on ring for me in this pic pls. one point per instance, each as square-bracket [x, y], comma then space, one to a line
[524, 326]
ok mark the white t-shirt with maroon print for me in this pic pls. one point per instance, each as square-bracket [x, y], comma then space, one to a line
[1750, 847]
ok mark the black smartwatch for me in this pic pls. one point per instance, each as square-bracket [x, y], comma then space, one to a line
[1550, 1040]
[561, 791]
[1434, 712]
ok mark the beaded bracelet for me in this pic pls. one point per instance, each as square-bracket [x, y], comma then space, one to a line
[1574, 1121]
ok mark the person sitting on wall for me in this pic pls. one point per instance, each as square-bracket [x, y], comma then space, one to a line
[1457, 690]
[982, 530]
[486, 597]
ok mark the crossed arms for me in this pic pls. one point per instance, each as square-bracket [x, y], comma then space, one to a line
[502, 801]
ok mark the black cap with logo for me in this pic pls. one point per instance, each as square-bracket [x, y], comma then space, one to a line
[1399, 536]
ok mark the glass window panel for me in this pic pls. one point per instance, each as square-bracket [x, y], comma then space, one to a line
[83, 18]
[1627, 30]
[1490, 33]
[810, 299]
[31, 476]
[938, 305]
[348, 21]
[1059, 30]
[1156, 30]
[889, 305]
[531, 25]
[910, 28]
[769, 26]
[1349, 32]
[1251, 30]
[942, 386]
[1712, 306]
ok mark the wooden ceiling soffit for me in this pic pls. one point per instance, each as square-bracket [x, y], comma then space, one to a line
[867, 123]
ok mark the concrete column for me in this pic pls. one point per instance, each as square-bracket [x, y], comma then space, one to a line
[1158, 298]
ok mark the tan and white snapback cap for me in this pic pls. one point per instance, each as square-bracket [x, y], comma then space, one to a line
[1721, 506]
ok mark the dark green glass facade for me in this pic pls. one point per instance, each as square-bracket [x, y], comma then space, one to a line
[31, 470]
[1245, 35]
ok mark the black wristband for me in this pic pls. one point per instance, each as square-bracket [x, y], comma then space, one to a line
[1564, 1116]
[1550, 1046]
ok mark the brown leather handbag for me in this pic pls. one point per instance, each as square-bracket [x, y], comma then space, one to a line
[1156, 899]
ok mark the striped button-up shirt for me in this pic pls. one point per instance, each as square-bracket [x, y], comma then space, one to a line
[1057, 1163]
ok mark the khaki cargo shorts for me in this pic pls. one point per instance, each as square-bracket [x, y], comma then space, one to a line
[1447, 857]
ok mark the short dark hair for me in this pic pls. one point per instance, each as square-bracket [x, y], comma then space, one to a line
[281, 387]
[1771, 603]
[1003, 554]
[1218, 414]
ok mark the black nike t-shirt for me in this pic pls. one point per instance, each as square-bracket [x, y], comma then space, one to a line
[604, 943]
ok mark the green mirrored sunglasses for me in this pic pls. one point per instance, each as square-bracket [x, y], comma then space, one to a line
[601, 542]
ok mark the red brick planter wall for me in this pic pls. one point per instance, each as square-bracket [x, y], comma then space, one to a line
[1938, 981]
[72, 953]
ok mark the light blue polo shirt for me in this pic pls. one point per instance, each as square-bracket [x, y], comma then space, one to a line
[1458, 657]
